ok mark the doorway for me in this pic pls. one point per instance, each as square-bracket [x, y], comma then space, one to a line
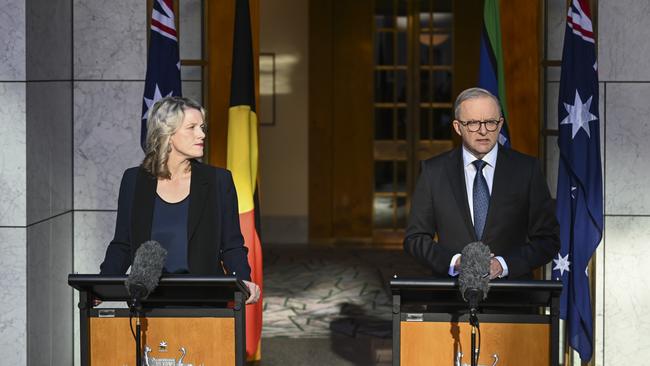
[413, 78]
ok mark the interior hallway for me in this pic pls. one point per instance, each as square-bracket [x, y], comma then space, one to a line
[329, 305]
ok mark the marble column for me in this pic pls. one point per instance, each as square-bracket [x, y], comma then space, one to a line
[627, 210]
[623, 32]
[49, 181]
[36, 176]
[13, 202]
[109, 57]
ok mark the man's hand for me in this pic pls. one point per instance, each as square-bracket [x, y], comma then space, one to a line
[495, 268]
[254, 292]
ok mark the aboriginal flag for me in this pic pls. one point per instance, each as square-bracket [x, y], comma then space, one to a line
[242, 160]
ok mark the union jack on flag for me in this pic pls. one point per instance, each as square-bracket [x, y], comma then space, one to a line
[163, 61]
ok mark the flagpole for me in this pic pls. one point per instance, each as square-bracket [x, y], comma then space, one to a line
[592, 288]
[572, 357]
[594, 259]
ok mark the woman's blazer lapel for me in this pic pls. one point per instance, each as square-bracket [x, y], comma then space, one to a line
[198, 197]
[142, 210]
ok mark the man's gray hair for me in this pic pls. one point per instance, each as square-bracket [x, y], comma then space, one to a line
[473, 93]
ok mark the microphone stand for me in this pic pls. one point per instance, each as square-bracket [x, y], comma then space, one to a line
[473, 321]
[474, 295]
[135, 306]
[138, 336]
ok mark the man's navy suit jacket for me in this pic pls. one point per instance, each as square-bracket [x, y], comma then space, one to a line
[521, 225]
[214, 236]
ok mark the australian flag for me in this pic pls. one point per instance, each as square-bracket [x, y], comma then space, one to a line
[163, 63]
[579, 187]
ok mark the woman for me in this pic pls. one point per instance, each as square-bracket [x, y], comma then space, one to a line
[188, 207]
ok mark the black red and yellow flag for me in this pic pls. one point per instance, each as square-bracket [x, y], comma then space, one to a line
[242, 160]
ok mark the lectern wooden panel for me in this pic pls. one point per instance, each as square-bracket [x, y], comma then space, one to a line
[439, 343]
[211, 341]
[519, 323]
[198, 320]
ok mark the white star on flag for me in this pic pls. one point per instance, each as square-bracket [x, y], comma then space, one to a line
[579, 115]
[156, 97]
[562, 264]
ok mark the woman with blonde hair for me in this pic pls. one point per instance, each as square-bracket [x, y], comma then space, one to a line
[188, 207]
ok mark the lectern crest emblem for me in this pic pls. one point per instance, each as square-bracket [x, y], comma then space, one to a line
[459, 360]
[152, 361]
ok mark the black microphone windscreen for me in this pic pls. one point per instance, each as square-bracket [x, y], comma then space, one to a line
[146, 269]
[474, 268]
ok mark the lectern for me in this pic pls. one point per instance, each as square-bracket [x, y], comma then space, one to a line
[187, 320]
[519, 323]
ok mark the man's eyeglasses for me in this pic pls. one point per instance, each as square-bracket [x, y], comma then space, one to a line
[474, 126]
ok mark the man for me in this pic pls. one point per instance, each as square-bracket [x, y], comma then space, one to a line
[482, 191]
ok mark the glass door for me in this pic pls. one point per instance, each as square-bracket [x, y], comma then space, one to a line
[413, 71]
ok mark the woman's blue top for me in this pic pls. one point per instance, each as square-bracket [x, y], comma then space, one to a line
[169, 228]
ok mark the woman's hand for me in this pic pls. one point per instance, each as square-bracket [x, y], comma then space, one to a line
[254, 292]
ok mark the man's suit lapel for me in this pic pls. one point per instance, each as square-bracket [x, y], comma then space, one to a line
[198, 197]
[456, 173]
[500, 188]
[142, 211]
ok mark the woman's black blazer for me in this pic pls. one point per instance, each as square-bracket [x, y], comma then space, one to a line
[214, 236]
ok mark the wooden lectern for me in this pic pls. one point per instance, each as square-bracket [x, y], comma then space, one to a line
[186, 320]
[519, 323]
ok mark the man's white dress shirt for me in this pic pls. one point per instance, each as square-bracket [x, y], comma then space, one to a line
[470, 173]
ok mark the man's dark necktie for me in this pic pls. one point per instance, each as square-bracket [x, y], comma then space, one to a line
[481, 197]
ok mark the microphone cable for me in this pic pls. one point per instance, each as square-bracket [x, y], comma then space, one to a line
[135, 337]
[478, 348]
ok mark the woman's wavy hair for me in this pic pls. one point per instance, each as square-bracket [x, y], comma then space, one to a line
[163, 120]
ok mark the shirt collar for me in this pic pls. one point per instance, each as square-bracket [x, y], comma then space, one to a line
[490, 158]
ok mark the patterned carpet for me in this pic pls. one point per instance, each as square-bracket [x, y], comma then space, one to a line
[311, 291]
[329, 303]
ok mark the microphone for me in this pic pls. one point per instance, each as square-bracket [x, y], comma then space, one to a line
[474, 273]
[145, 271]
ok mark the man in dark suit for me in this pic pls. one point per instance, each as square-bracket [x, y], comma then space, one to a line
[482, 191]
